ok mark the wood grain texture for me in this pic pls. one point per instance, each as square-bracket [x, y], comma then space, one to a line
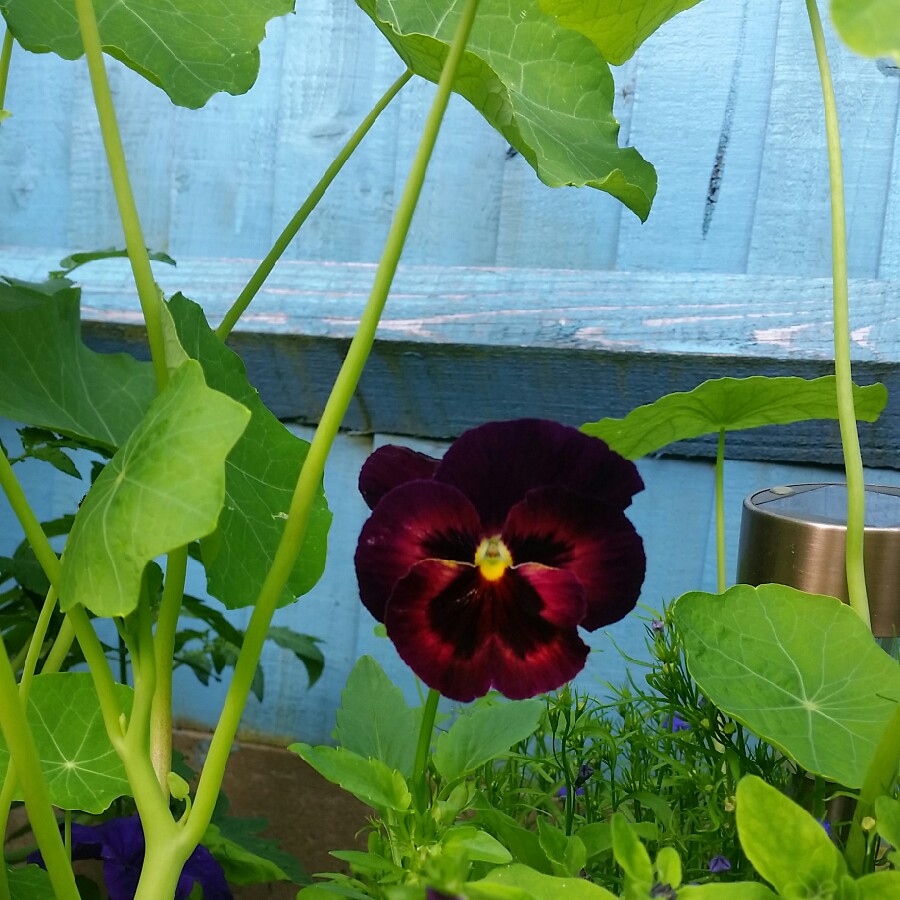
[724, 100]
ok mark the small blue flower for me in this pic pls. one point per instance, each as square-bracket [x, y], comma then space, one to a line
[719, 864]
[675, 723]
[657, 626]
[584, 773]
[563, 792]
[827, 826]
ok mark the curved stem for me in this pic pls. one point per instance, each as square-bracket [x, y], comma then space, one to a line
[60, 649]
[314, 466]
[423, 750]
[24, 755]
[879, 780]
[148, 292]
[856, 488]
[164, 648]
[5, 57]
[265, 267]
[722, 581]
[40, 545]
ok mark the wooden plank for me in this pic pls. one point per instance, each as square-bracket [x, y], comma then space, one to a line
[701, 102]
[34, 151]
[791, 231]
[459, 346]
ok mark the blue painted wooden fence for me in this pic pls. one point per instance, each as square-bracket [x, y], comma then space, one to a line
[515, 299]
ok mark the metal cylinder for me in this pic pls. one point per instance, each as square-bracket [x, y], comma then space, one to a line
[794, 535]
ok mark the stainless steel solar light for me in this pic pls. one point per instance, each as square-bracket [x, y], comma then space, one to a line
[794, 535]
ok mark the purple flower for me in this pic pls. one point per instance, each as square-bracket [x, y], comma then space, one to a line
[675, 723]
[484, 564]
[657, 626]
[719, 864]
[827, 826]
[120, 844]
[563, 792]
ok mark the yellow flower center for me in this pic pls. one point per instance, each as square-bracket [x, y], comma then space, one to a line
[492, 558]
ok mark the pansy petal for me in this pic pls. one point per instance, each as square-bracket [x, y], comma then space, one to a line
[203, 868]
[497, 464]
[390, 466]
[463, 634]
[593, 541]
[415, 521]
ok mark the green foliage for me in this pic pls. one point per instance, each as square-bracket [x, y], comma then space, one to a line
[50, 379]
[549, 92]
[374, 720]
[248, 858]
[29, 883]
[76, 260]
[260, 475]
[162, 490]
[369, 780]
[81, 768]
[802, 671]
[617, 28]
[527, 884]
[730, 404]
[766, 819]
[482, 734]
[191, 49]
[870, 27]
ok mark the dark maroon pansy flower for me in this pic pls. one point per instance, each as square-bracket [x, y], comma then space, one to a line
[483, 565]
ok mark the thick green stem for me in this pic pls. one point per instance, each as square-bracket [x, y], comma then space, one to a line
[164, 647]
[148, 292]
[60, 649]
[423, 750]
[880, 778]
[856, 488]
[314, 466]
[722, 581]
[5, 57]
[265, 267]
[40, 545]
[28, 669]
[24, 756]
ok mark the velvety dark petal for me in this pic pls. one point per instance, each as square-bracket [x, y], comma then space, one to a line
[593, 541]
[390, 466]
[415, 521]
[203, 868]
[497, 464]
[462, 634]
[123, 856]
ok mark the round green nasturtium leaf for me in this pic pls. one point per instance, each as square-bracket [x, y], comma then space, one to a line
[730, 404]
[260, 477]
[786, 845]
[81, 768]
[163, 489]
[29, 883]
[869, 27]
[547, 90]
[801, 671]
[50, 379]
[190, 48]
[619, 28]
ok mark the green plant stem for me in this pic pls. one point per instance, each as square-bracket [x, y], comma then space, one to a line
[164, 648]
[40, 545]
[5, 57]
[32, 656]
[856, 488]
[284, 239]
[880, 778]
[60, 649]
[148, 292]
[24, 756]
[423, 750]
[143, 664]
[721, 579]
[314, 466]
